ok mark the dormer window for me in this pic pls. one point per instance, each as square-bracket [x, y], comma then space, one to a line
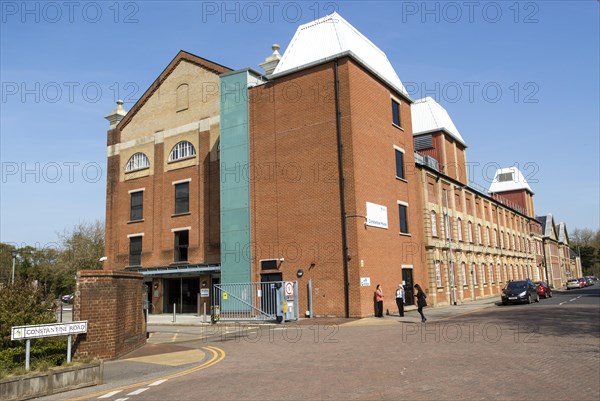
[138, 161]
[182, 150]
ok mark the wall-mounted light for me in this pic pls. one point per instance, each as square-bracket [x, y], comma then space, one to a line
[300, 273]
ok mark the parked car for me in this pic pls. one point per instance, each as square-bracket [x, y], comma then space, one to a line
[582, 282]
[590, 280]
[543, 290]
[573, 283]
[67, 298]
[520, 291]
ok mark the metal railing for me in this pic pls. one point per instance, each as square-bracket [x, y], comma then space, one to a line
[246, 301]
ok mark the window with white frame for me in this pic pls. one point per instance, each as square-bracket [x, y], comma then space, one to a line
[182, 150]
[487, 236]
[498, 273]
[495, 238]
[474, 273]
[504, 273]
[491, 272]
[459, 229]
[138, 161]
[448, 226]
[479, 236]
[433, 224]
[463, 271]
[483, 278]
[438, 274]
[470, 231]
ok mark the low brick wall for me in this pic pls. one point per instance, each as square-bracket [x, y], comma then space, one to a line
[53, 381]
[112, 303]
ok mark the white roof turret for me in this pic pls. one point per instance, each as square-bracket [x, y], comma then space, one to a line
[509, 179]
[330, 37]
[429, 116]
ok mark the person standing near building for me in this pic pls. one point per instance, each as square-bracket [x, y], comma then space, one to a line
[379, 300]
[400, 300]
[421, 302]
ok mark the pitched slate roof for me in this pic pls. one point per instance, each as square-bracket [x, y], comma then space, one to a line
[516, 182]
[429, 116]
[548, 228]
[563, 236]
[330, 37]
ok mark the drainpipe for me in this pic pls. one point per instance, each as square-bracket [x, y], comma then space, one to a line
[338, 129]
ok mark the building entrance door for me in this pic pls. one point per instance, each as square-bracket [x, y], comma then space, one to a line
[181, 292]
[407, 277]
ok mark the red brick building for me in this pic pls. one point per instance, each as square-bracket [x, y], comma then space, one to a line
[321, 171]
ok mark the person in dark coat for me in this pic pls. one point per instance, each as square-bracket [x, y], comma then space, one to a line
[421, 301]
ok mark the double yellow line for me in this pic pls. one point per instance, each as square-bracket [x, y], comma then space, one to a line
[217, 355]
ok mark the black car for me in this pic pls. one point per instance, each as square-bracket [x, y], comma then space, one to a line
[520, 291]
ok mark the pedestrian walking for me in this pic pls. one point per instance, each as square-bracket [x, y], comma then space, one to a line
[400, 300]
[379, 300]
[421, 301]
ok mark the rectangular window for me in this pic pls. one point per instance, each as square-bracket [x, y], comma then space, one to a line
[137, 206]
[182, 197]
[399, 164]
[438, 274]
[474, 273]
[135, 251]
[182, 242]
[403, 213]
[396, 113]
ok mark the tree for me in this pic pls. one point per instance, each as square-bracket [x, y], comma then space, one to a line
[83, 247]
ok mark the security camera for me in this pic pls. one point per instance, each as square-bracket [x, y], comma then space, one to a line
[102, 259]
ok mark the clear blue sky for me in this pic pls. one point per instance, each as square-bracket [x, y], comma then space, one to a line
[519, 79]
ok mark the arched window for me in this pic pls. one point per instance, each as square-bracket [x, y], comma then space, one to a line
[483, 277]
[501, 239]
[479, 236]
[459, 229]
[438, 274]
[137, 162]
[470, 231]
[487, 236]
[474, 273]
[182, 97]
[182, 150]
[433, 224]
[495, 239]
[463, 271]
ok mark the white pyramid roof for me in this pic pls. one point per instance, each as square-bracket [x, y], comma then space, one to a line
[515, 181]
[429, 116]
[333, 36]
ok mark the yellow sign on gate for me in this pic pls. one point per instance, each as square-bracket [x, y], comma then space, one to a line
[225, 295]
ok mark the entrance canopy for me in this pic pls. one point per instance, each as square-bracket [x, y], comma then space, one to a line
[177, 270]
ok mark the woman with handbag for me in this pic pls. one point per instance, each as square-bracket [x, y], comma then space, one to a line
[421, 301]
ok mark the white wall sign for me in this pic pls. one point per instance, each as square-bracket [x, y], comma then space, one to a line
[377, 215]
[204, 292]
[365, 281]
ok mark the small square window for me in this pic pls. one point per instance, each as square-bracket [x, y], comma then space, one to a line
[396, 113]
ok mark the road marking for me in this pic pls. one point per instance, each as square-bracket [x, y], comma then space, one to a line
[174, 337]
[108, 395]
[139, 391]
[122, 399]
[156, 383]
[217, 356]
[570, 300]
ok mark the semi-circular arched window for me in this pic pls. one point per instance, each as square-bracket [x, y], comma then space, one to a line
[137, 162]
[182, 150]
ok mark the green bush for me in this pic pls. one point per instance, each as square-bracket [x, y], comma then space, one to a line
[22, 304]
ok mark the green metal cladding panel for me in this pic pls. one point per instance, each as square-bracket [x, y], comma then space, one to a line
[235, 191]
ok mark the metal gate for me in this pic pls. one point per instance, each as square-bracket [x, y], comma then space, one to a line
[267, 301]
